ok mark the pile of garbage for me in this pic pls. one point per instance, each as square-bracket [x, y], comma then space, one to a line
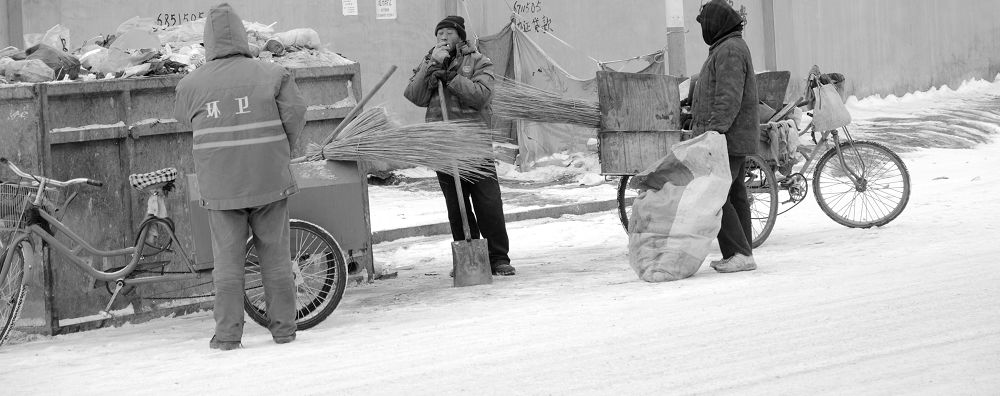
[140, 47]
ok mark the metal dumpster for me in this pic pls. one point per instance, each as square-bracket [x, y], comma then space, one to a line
[108, 129]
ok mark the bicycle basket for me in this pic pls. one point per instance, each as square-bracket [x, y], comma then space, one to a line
[14, 202]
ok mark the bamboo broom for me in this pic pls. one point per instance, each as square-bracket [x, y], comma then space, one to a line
[519, 101]
[434, 145]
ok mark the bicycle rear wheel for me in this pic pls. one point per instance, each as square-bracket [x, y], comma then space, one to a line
[321, 276]
[13, 275]
[762, 192]
[879, 196]
[624, 205]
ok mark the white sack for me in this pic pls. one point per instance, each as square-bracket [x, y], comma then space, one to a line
[676, 218]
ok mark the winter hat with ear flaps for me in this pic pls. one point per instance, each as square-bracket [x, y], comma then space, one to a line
[452, 21]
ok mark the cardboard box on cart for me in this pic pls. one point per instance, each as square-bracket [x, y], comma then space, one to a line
[332, 195]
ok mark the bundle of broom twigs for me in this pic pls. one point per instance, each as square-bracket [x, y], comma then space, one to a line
[439, 146]
[519, 101]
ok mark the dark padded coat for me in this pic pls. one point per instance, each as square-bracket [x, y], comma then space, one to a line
[467, 95]
[725, 96]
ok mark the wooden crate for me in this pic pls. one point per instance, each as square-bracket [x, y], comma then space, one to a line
[630, 152]
[638, 102]
[640, 120]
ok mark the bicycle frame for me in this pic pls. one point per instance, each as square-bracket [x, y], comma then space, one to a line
[39, 234]
[72, 254]
[821, 146]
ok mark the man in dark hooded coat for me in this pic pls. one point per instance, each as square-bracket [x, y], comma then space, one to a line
[246, 115]
[725, 101]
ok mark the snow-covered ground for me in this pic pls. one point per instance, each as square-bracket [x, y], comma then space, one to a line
[909, 308]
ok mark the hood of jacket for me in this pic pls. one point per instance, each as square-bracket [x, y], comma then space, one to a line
[224, 34]
[718, 20]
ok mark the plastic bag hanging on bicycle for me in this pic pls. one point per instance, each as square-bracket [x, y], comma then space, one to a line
[826, 95]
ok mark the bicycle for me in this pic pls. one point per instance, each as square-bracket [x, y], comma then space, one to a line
[857, 183]
[28, 217]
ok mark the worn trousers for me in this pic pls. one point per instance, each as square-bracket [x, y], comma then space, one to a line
[736, 233]
[485, 213]
[268, 226]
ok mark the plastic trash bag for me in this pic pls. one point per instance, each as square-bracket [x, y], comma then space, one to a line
[136, 39]
[106, 60]
[137, 23]
[187, 32]
[679, 212]
[4, 62]
[303, 37]
[56, 37]
[31, 71]
[10, 51]
[61, 62]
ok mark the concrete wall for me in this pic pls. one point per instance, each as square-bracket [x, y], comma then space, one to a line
[890, 46]
[753, 33]
[377, 43]
[885, 46]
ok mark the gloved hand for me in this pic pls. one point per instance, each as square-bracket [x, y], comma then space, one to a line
[439, 75]
[445, 75]
[441, 52]
[430, 78]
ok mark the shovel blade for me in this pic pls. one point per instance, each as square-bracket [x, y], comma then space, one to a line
[472, 263]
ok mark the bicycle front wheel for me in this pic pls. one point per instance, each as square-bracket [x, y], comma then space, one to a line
[880, 193]
[13, 275]
[762, 192]
[320, 276]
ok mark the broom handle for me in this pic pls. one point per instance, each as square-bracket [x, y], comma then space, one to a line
[353, 113]
[454, 171]
[357, 109]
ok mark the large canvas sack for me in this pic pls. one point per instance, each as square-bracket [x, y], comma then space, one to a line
[679, 210]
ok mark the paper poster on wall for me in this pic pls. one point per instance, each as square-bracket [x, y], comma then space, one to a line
[675, 13]
[350, 7]
[385, 9]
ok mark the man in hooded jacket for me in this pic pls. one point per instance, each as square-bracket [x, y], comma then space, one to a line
[725, 101]
[245, 115]
[467, 76]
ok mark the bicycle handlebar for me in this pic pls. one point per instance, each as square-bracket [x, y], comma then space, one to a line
[57, 183]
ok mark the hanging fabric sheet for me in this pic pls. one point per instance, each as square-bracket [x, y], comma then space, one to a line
[517, 56]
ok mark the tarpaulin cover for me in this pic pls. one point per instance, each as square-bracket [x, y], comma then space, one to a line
[517, 56]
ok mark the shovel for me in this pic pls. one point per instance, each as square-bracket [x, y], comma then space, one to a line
[470, 257]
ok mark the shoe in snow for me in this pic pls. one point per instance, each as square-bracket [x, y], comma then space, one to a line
[215, 343]
[736, 263]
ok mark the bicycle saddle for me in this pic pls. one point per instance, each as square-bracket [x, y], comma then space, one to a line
[140, 181]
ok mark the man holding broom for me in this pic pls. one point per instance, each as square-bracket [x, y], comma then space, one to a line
[246, 115]
[467, 76]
